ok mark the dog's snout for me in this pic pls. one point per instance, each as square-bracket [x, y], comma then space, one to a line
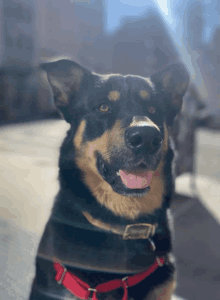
[143, 138]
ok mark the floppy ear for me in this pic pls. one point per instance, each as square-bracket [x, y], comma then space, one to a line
[66, 78]
[174, 80]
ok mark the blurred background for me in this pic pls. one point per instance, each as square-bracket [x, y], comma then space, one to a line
[120, 36]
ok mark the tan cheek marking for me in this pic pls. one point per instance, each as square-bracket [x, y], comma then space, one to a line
[86, 158]
[100, 144]
[144, 94]
[103, 144]
[77, 141]
[143, 121]
[128, 207]
[114, 96]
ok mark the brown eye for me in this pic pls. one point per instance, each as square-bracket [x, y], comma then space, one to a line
[104, 108]
[152, 110]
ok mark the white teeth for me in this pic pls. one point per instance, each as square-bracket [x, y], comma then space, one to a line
[118, 173]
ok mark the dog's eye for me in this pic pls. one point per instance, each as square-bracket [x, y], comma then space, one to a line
[104, 108]
[152, 109]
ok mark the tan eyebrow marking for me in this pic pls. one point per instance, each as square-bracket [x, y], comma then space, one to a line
[144, 94]
[114, 96]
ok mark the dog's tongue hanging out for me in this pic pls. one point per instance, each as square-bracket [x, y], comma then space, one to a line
[136, 180]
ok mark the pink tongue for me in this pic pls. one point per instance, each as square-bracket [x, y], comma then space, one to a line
[136, 180]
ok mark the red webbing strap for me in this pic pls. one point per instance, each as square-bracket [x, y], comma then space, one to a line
[71, 282]
[135, 279]
[82, 290]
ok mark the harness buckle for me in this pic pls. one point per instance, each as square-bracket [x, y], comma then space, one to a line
[92, 290]
[62, 276]
[159, 262]
[124, 279]
[139, 231]
[153, 247]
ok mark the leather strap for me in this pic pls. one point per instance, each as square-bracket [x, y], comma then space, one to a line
[128, 232]
[82, 290]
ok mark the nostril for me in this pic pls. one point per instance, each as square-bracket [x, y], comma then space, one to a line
[135, 140]
[156, 141]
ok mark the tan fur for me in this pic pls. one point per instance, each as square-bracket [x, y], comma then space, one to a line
[100, 144]
[144, 94]
[143, 121]
[129, 207]
[103, 144]
[114, 96]
[79, 135]
[163, 291]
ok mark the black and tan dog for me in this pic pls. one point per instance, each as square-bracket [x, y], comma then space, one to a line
[110, 220]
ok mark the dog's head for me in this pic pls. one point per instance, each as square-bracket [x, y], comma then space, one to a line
[120, 128]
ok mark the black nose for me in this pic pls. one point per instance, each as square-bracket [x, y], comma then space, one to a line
[143, 138]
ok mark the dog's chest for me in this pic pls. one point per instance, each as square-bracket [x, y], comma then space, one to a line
[95, 250]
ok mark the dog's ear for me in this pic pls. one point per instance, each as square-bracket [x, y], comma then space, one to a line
[173, 80]
[66, 79]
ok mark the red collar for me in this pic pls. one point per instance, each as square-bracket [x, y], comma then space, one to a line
[82, 290]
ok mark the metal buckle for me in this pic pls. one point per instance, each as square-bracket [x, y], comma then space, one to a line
[92, 290]
[124, 279]
[159, 262]
[62, 276]
[139, 231]
[153, 247]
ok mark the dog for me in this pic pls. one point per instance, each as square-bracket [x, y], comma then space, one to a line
[109, 233]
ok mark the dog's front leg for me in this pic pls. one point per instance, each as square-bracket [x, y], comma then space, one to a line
[163, 291]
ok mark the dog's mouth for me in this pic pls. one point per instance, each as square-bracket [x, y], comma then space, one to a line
[134, 182]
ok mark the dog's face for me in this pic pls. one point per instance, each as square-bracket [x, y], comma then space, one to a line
[120, 126]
